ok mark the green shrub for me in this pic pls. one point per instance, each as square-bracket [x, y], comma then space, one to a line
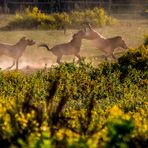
[77, 106]
[119, 130]
[35, 19]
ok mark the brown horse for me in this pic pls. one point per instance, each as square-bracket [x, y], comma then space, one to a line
[70, 48]
[15, 51]
[107, 45]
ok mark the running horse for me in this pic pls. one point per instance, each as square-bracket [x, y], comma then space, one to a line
[15, 51]
[70, 48]
[106, 45]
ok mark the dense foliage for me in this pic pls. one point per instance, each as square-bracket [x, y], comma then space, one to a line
[77, 106]
[36, 19]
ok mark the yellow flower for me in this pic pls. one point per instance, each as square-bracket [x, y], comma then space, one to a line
[44, 128]
[115, 111]
[28, 115]
[126, 117]
[60, 134]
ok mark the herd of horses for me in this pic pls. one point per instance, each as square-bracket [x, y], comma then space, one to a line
[107, 45]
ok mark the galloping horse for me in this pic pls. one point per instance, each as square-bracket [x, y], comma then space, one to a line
[15, 51]
[70, 48]
[110, 44]
[107, 45]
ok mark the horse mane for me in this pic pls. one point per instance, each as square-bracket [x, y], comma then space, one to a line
[20, 41]
[77, 37]
[114, 38]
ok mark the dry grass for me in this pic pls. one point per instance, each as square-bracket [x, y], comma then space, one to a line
[132, 31]
[4, 19]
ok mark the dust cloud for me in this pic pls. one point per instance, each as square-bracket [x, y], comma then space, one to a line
[25, 63]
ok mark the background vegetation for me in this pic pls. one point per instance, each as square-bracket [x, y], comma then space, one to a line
[77, 106]
[34, 19]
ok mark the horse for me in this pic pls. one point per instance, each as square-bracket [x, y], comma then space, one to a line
[15, 51]
[70, 48]
[107, 45]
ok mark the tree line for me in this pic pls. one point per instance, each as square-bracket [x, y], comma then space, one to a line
[50, 6]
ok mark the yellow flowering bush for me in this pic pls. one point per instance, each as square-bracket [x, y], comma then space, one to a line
[77, 106]
[36, 19]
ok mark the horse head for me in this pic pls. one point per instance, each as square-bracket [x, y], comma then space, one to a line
[90, 34]
[122, 43]
[30, 42]
[22, 39]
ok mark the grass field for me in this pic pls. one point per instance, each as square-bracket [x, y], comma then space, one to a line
[132, 31]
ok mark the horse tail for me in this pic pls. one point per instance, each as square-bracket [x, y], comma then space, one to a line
[45, 45]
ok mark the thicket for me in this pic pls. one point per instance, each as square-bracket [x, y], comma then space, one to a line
[77, 106]
[36, 19]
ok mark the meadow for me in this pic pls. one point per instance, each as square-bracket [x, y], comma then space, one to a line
[132, 31]
[94, 104]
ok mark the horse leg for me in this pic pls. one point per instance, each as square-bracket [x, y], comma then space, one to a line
[113, 56]
[17, 64]
[106, 54]
[11, 65]
[105, 57]
[78, 56]
[59, 59]
[109, 54]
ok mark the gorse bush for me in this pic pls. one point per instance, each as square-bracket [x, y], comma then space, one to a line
[35, 19]
[146, 41]
[77, 106]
